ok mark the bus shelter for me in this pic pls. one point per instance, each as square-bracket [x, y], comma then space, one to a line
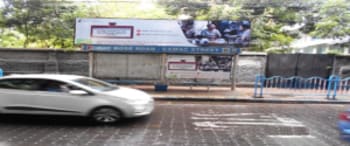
[187, 49]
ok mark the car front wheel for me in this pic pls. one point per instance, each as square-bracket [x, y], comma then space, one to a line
[106, 115]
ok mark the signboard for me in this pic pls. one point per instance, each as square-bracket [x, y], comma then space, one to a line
[113, 32]
[183, 33]
[198, 67]
[129, 32]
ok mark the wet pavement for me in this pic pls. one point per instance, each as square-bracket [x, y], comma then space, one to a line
[188, 124]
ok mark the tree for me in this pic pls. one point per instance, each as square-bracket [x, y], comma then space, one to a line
[267, 32]
[115, 9]
[194, 8]
[334, 19]
[50, 24]
[44, 24]
[206, 9]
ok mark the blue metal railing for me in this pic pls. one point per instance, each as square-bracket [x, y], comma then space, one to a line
[343, 86]
[1, 72]
[333, 85]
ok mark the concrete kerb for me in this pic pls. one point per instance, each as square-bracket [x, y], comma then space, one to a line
[242, 95]
[252, 100]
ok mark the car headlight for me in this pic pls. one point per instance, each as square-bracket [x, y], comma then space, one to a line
[139, 107]
[130, 100]
[144, 100]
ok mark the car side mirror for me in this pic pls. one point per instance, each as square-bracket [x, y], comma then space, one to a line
[78, 92]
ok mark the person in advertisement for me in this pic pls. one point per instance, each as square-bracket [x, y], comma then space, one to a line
[217, 32]
[188, 28]
[211, 32]
[240, 37]
[244, 36]
[211, 35]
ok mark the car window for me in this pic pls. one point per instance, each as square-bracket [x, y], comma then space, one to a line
[96, 84]
[56, 86]
[8, 84]
[37, 85]
[51, 86]
[22, 84]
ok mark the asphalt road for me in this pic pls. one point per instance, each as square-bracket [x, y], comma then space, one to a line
[188, 124]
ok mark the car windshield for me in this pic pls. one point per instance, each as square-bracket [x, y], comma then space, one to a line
[96, 84]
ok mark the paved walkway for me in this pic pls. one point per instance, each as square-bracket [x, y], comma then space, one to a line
[201, 93]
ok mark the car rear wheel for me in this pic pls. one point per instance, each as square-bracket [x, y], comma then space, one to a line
[106, 115]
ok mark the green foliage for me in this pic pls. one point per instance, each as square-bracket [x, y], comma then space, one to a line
[194, 8]
[334, 19]
[43, 24]
[334, 52]
[277, 50]
[267, 31]
[204, 10]
[9, 38]
[227, 12]
[223, 12]
[129, 10]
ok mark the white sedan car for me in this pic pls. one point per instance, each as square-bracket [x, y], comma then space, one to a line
[50, 94]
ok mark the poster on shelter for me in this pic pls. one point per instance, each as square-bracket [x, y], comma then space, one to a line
[198, 67]
[140, 32]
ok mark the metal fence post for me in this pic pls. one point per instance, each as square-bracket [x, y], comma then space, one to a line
[256, 85]
[333, 83]
[234, 67]
[91, 63]
[336, 84]
[262, 81]
[330, 82]
[259, 83]
[163, 60]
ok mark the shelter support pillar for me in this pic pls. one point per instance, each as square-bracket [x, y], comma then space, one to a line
[234, 68]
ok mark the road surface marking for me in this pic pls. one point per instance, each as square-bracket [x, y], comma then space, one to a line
[227, 120]
[224, 115]
[291, 136]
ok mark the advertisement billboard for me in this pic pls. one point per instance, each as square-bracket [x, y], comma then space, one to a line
[184, 33]
[198, 67]
[217, 33]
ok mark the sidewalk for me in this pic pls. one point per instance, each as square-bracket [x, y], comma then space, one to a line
[201, 93]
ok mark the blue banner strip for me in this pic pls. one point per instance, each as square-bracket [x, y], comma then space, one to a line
[163, 49]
